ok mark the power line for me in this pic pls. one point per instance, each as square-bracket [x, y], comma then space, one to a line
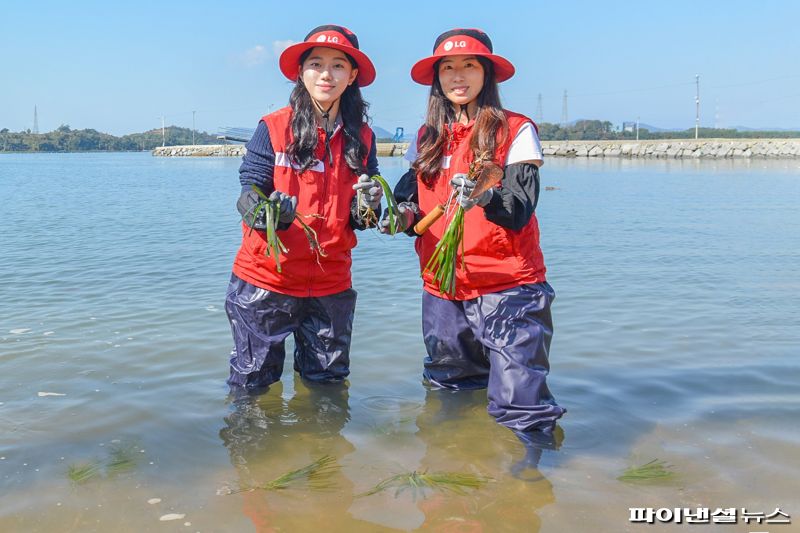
[754, 82]
[625, 91]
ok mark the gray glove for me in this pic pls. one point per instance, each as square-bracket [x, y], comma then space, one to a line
[288, 206]
[465, 187]
[405, 213]
[371, 192]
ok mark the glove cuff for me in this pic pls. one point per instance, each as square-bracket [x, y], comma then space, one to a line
[486, 197]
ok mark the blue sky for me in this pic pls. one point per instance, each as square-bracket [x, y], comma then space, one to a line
[117, 67]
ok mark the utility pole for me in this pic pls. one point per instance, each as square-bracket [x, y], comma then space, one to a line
[697, 106]
[193, 112]
[163, 133]
[539, 113]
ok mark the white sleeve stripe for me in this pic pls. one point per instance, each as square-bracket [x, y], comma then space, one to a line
[282, 159]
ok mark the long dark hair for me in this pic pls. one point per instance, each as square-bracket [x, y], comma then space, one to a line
[490, 120]
[352, 109]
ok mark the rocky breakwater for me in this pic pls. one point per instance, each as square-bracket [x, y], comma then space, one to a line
[201, 150]
[673, 149]
[238, 150]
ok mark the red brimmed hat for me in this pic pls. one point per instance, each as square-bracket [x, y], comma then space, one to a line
[329, 36]
[461, 42]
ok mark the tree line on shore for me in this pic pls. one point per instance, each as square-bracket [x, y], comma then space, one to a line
[598, 130]
[65, 139]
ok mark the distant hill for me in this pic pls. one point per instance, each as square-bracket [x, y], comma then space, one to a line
[65, 139]
[656, 129]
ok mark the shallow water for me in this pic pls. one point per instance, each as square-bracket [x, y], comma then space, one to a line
[676, 335]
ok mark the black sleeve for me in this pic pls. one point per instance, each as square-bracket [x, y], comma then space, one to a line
[513, 204]
[406, 188]
[372, 158]
[406, 193]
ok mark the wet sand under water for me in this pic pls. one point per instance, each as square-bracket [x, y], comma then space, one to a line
[676, 323]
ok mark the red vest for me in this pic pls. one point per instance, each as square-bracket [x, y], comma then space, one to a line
[496, 258]
[324, 189]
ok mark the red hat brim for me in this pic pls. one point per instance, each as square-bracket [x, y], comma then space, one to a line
[422, 71]
[290, 59]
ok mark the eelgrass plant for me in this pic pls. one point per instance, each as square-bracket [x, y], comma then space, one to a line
[311, 235]
[396, 225]
[420, 482]
[315, 476]
[371, 218]
[272, 211]
[121, 459]
[655, 469]
[444, 261]
[274, 245]
[83, 472]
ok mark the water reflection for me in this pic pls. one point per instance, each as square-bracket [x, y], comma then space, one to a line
[270, 435]
[459, 436]
[452, 433]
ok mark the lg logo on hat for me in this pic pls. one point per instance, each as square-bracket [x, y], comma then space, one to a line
[449, 45]
[328, 38]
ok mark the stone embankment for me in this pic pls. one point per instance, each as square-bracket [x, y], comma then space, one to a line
[674, 149]
[237, 150]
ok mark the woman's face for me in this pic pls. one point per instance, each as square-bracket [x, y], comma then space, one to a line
[461, 78]
[326, 73]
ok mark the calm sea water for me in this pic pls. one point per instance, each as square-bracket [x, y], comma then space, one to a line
[677, 331]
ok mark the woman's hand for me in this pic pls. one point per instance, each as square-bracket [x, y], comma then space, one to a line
[371, 192]
[465, 186]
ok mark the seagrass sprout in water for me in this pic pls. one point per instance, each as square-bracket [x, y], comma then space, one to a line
[316, 476]
[121, 459]
[654, 470]
[420, 483]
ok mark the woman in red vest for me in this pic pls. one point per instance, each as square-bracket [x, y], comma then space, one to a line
[495, 330]
[309, 158]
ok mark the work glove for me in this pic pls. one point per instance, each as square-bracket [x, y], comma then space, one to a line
[371, 192]
[464, 188]
[405, 213]
[288, 207]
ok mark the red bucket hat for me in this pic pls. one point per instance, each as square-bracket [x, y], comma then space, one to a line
[329, 36]
[461, 42]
